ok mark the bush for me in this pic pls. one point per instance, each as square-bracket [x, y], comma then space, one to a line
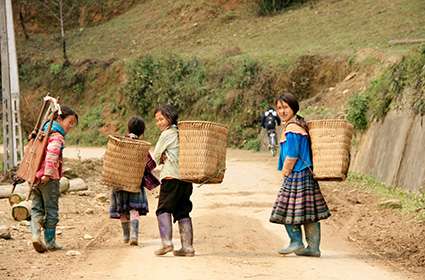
[267, 7]
[357, 109]
[253, 144]
[247, 73]
[55, 69]
[87, 132]
[171, 80]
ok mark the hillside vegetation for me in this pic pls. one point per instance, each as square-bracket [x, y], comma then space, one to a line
[216, 60]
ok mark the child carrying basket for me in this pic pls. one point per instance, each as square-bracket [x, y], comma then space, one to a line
[128, 199]
[45, 187]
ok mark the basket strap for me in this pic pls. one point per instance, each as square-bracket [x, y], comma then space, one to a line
[309, 140]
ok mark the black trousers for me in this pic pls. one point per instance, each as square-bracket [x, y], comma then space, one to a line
[174, 198]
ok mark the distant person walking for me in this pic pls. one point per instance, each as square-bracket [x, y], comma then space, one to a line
[269, 121]
[299, 201]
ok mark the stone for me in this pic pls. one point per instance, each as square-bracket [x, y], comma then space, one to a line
[24, 223]
[350, 238]
[69, 173]
[350, 76]
[88, 237]
[73, 253]
[5, 232]
[89, 211]
[86, 193]
[391, 203]
[64, 184]
[101, 197]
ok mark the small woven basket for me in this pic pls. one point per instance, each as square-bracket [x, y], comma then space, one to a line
[331, 145]
[202, 156]
[124, 163]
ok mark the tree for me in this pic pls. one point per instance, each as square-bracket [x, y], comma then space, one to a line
[22, 7]
[61, 11]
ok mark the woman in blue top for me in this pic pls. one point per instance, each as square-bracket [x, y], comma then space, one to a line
[299, 201]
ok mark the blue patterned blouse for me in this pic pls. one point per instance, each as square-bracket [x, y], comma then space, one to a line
[295, 146]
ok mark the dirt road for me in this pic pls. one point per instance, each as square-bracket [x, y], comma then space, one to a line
[233, 238]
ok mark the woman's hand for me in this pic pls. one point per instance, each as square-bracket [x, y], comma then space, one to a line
[45, 179]
[286, 172]
[163, 158]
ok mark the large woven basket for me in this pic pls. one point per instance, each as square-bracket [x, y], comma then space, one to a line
[124, 163]
[331, 145]
[202, 156]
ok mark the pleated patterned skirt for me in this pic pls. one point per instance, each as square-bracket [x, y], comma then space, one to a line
[122, 202]
[299, 200]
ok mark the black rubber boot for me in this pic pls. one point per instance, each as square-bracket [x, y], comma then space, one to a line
[186, 237]
[312, 235]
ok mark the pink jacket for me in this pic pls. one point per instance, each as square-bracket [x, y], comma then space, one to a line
[53, 162]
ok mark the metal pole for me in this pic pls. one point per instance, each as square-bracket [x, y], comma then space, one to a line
[14, 87]
[7, 128]
[12, 135]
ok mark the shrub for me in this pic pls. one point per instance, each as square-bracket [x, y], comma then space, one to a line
[357, 111]
[267, 7]
[173, 80]
[55, 69]
[253, 144]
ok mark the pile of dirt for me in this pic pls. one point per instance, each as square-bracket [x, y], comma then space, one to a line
[390, 234]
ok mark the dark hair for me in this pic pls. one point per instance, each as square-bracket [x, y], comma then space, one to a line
[292, 102]
[66, 112]
[169, 112]
[136, 125]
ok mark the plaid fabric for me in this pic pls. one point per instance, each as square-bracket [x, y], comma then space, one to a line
[122, 202]
[299, 200]
[149, 181]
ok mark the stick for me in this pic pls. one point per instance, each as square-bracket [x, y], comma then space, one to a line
[406, 41]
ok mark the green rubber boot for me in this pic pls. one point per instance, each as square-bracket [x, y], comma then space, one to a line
[312, 235]
[50, 238]
[296, 240]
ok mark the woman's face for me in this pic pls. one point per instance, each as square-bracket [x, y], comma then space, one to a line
[68, 123]
[284, 111]
[161, 122]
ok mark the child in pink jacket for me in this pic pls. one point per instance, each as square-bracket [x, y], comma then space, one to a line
[45, 196]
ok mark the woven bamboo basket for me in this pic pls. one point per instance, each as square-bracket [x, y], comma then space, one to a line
[202, 156]
[331, 145]
[124, 163]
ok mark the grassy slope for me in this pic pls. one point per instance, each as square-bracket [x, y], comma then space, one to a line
[211, 30]
[207, 30]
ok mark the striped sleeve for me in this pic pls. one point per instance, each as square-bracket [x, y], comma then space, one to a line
[53, 152]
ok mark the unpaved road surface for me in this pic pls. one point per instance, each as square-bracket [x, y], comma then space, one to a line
[233, 238]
